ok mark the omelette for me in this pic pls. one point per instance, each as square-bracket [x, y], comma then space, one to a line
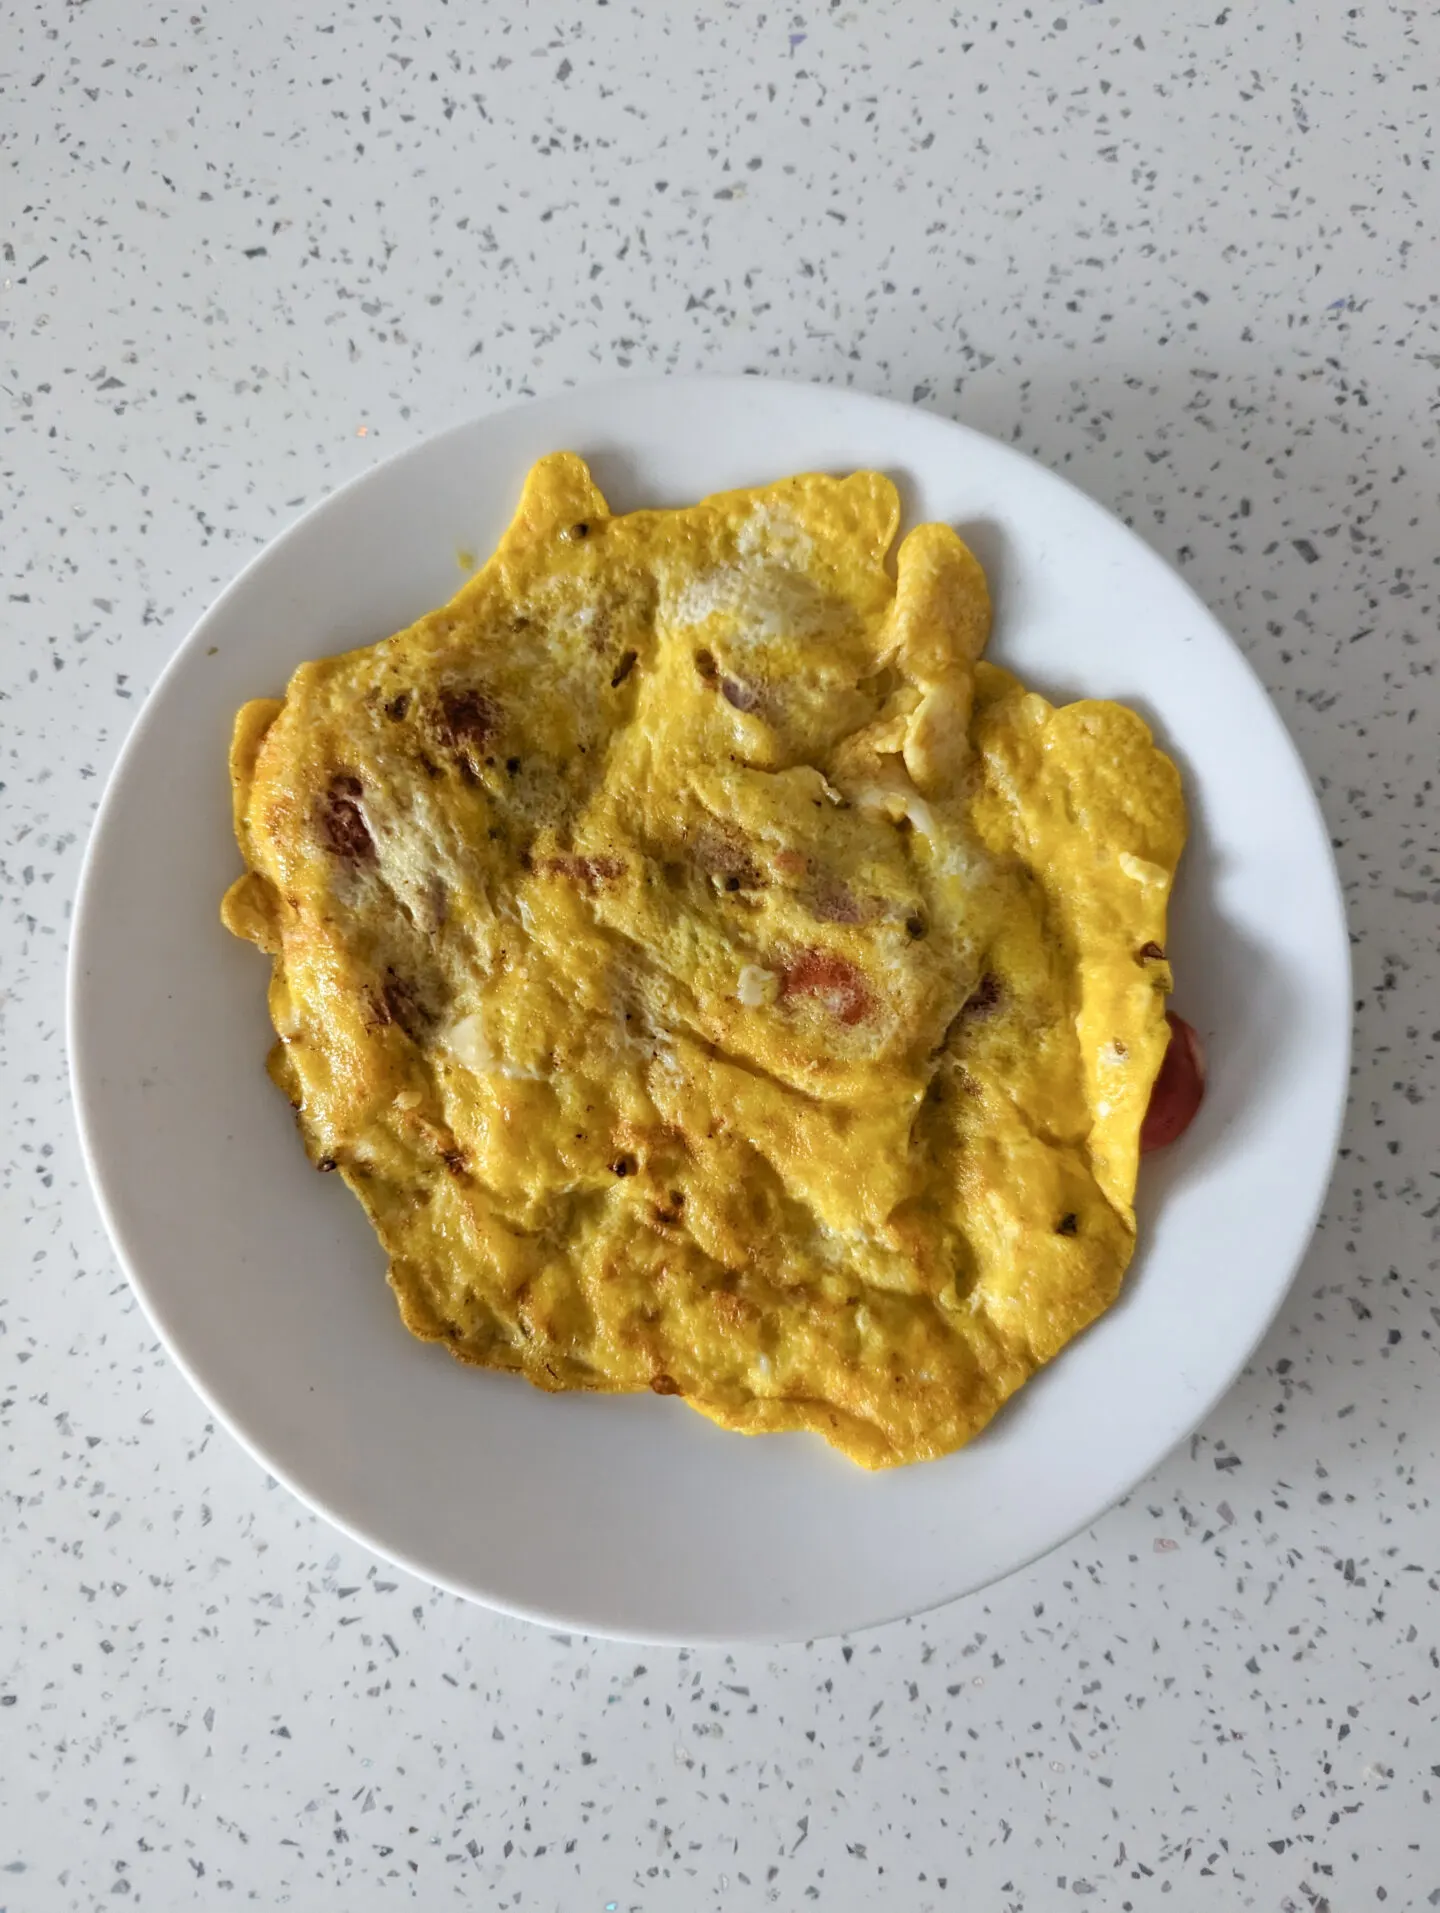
[711, 976]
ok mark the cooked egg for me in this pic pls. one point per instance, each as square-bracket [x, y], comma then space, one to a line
[710, 976]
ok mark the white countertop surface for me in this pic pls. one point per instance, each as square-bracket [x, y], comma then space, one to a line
[1179, 254]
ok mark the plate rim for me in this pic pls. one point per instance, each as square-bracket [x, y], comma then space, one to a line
[83, 1093]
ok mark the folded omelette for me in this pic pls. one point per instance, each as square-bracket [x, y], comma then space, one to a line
[710, 976]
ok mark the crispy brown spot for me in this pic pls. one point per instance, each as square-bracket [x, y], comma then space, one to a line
[733, 1309]
[437, 899]
[404, 1006]
[342, 821]
[665, 1385]
[722, 855]
[735, 867]
[623, 1166]
[833, 981]
[836, 903]
[623, 669]
[983, 999]
[589, 871]
[468, 718]
[1150, 953]
[598, 633]
[668, 1214]
[454, 1161]
[326, 1164]
[915, 925]
[705, 664]
[744, 697]
[398, 705]
[1068, 1225]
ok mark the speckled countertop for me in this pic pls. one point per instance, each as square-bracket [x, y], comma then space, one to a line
[1178, 253]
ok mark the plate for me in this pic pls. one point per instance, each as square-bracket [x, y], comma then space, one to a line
[628, 1516]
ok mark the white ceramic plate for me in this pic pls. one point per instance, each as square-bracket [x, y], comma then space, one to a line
[633, 1516]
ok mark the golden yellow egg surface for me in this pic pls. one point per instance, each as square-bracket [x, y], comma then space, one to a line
[710, 976]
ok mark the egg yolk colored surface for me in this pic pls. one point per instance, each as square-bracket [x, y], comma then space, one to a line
[709, 974]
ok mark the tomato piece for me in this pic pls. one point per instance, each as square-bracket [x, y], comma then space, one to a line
[1179, 1088]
